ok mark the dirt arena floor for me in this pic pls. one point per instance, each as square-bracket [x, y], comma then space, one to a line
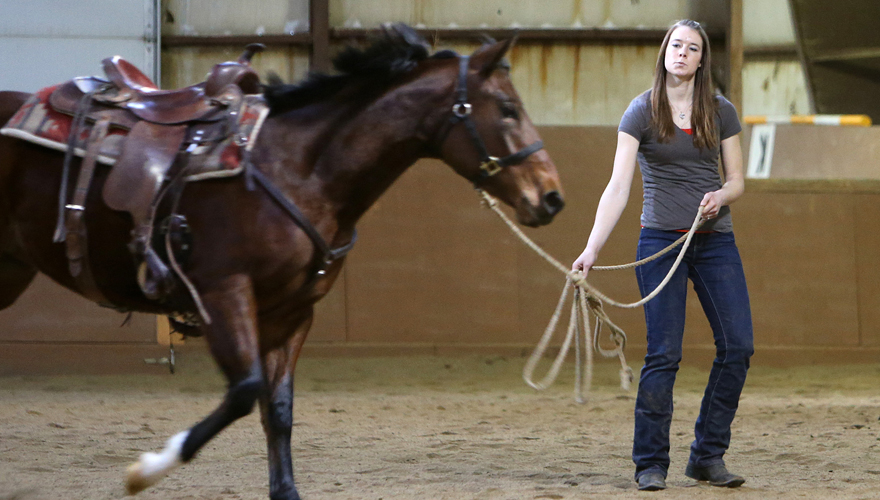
[436, 428]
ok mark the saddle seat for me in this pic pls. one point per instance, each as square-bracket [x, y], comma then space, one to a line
[201, 102]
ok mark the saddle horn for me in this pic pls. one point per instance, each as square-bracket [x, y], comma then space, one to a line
[249, 51]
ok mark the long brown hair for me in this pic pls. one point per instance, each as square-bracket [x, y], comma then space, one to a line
[704, 104]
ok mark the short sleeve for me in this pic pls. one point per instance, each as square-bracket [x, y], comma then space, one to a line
[635, 119]
[730, 125]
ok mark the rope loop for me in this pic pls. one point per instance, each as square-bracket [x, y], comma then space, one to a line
[587, 300]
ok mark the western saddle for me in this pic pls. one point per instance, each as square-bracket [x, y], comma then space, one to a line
[165, 129]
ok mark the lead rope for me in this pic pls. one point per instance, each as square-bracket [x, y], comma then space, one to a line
[587, 299]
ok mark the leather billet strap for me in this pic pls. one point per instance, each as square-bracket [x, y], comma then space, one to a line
[461, 112]
[328, 255]
[76, 127]
[76, 235]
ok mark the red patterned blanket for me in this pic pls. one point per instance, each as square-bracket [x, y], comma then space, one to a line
[38, 122]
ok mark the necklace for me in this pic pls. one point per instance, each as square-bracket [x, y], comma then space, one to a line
[682, 114]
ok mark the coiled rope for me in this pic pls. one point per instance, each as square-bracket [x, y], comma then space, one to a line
[587, 299]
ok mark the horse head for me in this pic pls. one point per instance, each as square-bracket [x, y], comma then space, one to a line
[490, 140]
[394, 102]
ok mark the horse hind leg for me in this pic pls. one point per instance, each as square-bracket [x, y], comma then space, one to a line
[232, 337]
[15, 276]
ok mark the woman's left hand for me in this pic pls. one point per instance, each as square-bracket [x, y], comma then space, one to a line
[712, 203]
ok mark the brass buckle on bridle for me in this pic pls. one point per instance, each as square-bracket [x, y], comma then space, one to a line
[491, 167]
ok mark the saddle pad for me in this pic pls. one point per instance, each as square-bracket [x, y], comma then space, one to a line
[225, 159]
[37, 122]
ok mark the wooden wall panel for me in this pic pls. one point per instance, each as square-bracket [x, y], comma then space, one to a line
[431, 265]
[330, 323]
[47, 312]
[866, 213]
[804, 152]
[799, 255]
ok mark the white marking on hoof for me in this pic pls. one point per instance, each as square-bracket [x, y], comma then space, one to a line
[152, 467]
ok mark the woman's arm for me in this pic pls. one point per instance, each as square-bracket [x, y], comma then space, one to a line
[613, 201]
[732, 159]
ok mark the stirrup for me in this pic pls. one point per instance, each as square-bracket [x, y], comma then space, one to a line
[154, 277]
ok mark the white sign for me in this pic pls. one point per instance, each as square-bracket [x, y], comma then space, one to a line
[761, 151]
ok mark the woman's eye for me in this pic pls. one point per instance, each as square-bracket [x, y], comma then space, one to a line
[508, 110]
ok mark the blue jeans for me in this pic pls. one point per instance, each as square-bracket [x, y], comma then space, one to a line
[713, 264]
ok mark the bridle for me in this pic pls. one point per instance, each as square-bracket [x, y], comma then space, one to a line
[461, 112]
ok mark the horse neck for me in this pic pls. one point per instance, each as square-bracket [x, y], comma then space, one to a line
[356, 151]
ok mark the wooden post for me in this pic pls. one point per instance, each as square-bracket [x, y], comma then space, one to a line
[163, 333]
[735, 54]
[319, 28]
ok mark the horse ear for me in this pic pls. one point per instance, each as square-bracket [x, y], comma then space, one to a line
[410, 36]
[489, 57]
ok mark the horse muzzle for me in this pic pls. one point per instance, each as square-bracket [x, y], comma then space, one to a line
[541, 213]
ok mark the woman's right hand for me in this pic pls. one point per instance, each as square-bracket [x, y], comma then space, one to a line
[584, 262]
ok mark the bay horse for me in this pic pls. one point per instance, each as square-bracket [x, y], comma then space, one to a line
[330, 146]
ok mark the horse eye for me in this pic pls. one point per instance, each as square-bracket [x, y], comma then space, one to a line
[508, 110]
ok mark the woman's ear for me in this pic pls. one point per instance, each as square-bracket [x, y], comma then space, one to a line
[488, 57]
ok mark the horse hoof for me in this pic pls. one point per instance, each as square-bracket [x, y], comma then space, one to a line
[286, 495]
[136, 481]
[149, 470]
[152, 467]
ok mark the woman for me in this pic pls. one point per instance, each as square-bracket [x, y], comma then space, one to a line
[676, 131]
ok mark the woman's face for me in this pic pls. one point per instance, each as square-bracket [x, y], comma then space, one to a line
[684, 52]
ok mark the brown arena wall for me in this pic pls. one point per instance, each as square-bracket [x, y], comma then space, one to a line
[435, 273]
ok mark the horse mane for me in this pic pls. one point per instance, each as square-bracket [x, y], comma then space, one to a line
[395, 52]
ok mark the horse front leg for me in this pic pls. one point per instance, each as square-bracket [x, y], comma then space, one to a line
[233, 341]
[276, 407]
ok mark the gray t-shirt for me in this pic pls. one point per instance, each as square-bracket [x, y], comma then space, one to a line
[676, 175]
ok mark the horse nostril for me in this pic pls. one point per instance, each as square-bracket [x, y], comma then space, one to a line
[553, 202]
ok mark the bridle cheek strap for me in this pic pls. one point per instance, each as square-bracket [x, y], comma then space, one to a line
[461, 112]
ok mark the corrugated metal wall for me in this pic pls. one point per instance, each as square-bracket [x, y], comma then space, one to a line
[560, 83]
[773, 84]
[505, 13]
[233, 17]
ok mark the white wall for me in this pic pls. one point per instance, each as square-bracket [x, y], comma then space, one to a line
[43, 42]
